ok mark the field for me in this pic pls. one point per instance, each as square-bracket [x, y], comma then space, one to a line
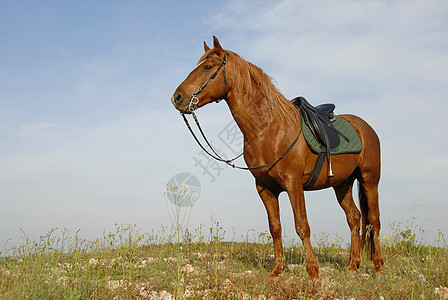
[201, 264]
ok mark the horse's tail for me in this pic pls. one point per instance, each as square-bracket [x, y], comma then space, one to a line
[366, 228]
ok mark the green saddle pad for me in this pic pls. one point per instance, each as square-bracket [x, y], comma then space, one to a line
[354, 146]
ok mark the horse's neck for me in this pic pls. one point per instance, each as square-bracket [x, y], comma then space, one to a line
[247, 117]
[252, 112]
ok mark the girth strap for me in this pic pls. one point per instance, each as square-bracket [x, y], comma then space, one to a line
[316, 171]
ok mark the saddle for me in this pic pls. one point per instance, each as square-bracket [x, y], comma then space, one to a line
[320, 121]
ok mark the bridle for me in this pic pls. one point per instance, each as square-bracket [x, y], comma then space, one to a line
[193, 105]
[194, 99]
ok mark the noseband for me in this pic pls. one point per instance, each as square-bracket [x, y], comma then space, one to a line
[194, 99]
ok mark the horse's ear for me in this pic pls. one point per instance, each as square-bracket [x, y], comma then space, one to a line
[217, 45]
[206, 47]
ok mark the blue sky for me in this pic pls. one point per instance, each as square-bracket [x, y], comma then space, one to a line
[89, 137]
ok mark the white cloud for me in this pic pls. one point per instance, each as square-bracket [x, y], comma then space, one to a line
[31, 131]
[422, 204]
[378, 45]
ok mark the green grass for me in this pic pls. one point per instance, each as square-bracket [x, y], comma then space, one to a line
[130, 264]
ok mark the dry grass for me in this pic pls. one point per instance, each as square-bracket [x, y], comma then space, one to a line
[128, 264]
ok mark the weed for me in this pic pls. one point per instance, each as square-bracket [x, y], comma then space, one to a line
[127, 263]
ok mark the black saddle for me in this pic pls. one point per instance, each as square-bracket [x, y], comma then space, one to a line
[319, 120]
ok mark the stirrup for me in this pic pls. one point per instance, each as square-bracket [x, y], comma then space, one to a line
[330, 172]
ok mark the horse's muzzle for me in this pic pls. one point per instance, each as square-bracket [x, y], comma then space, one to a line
[180, 102]
[177, 98]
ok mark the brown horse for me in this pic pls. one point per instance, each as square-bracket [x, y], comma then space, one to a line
[270, 123]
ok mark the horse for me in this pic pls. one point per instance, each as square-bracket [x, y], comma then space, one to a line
[269, 124]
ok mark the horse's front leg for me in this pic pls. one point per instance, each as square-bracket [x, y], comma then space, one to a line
[270, 201]
[297, 199]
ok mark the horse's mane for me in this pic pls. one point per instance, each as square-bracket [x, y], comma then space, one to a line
[251, 72]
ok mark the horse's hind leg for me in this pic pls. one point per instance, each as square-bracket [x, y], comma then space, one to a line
[345, 198]
[368, 197]
[369, 177]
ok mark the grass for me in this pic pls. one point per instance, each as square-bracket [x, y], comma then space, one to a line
[130, 264]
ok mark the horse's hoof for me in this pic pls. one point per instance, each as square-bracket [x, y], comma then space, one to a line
[275, 273]
[313, 273]
[353, 267]
[380, 270]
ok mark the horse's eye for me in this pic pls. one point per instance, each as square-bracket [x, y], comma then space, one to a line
[207, 67]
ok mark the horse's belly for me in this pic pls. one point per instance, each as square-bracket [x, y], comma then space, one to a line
[343, 167]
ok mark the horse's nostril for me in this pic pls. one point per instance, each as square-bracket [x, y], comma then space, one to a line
[178, 98]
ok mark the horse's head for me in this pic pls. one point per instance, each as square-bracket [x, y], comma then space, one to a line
[206, 83]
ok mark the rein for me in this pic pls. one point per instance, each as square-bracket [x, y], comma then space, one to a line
[217, 157]
[192, 106]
